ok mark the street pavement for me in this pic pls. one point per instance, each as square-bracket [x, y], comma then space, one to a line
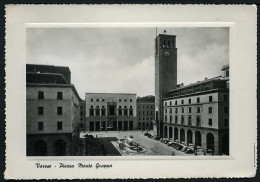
[152, 146]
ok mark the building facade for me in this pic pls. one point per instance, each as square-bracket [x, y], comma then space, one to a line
[145, 114]
[198, 115]
[165, 74]
[82, 124]
[110, 112]
[52, 111]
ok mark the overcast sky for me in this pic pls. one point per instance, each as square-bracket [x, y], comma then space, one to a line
[122, 59]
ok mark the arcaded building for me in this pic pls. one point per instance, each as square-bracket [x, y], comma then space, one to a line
[110, 112]
[195, 114]
[145, 113]
[52, 111]
[198, 114]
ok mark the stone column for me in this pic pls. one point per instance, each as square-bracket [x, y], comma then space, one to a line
[204, 141]
[193, 137]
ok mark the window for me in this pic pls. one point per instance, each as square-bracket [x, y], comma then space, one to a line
[189, 120]
[40, 111]
[125, 100]
[182, 101]
[91, 112]
[81, 119]
[119, 111]
[165, 118]
[165, 110]
[103, 112]
[59, 95]
[130, 112]
[198, 121]
[210, 110]
[170, 118]
[170, 103]
[189, 109]
[130, 100]
[176, 102]
[143, 113]
[40, 126]
[119, 100]
[97, 100]
[176, 110]
[198, 109]
[189, 101]
[210, 98]
[81, 125]
[210, 122]
[170, 111]
[59, 125]
[226, 110]
[182, 109]
[225, 98]
[97, 111]
[165, 103]
[81, 107]
[40, 95]
[176, 119]
[182, 119]
[198, 100]
[125, 112]
[59, 110]
[139, 112]
[226, 122]
[91, 100]
[103, 100]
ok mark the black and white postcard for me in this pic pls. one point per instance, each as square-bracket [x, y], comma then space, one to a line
[91, 94]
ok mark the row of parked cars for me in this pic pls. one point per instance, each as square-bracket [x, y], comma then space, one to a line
[173, 144]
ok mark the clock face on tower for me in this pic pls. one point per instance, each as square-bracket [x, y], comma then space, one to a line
[166, 54]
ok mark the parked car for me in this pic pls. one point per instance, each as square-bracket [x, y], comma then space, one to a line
[178, 146]
[189, 151]
[150, 136]
[170, 143]
[184, 149]
[157, 138]
[166, 141]
[145, 134]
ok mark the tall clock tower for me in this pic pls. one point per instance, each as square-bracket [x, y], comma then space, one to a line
[165, 74]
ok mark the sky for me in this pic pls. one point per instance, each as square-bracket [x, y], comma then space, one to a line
[121, 60]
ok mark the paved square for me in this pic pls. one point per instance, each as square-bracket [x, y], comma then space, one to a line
[152, 146]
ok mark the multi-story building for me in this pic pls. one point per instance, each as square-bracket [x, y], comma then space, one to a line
[145, 113]
[52, 111]
[110, 111]
[198, 114]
